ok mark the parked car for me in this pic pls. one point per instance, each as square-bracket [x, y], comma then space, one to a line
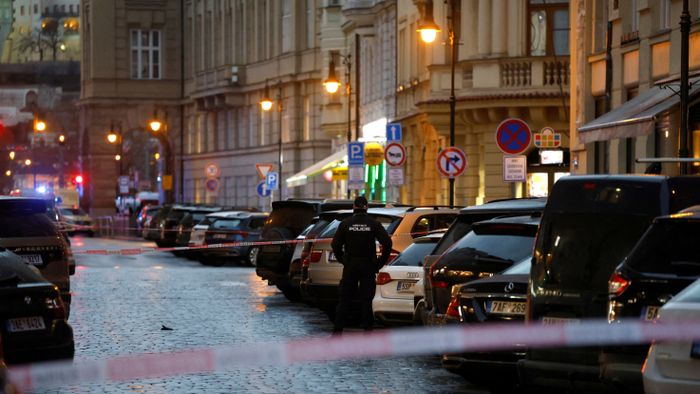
[500, 298]
[77, 220]
[168, 226]
[590, 224]
[151, 227]
[231, 227]
[672, 367]
[34, 316]
[184, 227]
[665, 261]
[424, 310]
[26, 230]
[324, 272]
[144, 214]
[488, 248]
[393, 301]
[295, 265]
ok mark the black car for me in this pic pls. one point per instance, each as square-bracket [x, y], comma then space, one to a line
[168, 227]
[229, 227]
[424, 309]
[33, 314]
[500, 298]
[151, 229]
[286, 221]
[590, 224]
[664, 262]
[488, 248]
[184, 227]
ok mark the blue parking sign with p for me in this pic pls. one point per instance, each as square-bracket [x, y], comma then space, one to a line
[272, 181]
[356, 153]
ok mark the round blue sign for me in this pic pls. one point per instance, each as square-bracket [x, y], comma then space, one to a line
[263, 191]
[513, 136]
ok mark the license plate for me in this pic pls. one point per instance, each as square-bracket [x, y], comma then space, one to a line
[507, 308]
[33, 259]
[25, 324]
[404, 286]
[650, 313]
[695, 350]
[558, 320]
[219, 236]
[271, 249]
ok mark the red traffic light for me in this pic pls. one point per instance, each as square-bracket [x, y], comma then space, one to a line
[78, 179]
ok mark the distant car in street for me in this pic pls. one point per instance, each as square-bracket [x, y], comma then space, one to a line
[231, 227]
[151, 227]
[78, 221]
[664, 262]
[672, 367]
[184, 227]
[393, 301]
[26, 230]
[145, 214]
[496, 299]
[34, 316]
[487, 249]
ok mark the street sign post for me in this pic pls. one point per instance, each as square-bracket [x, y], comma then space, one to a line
[395, 154]
[212, 185]
[514, 168]
[396, 177]
[263, 169]
[272, 181]
[451, 162]
[513, 136]
[263, 191]
[123, 184]
[212, 171]
[393, 132]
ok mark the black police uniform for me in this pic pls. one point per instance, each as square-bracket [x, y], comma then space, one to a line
[354, 246]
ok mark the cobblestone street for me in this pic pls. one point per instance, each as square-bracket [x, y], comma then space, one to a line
[121, 303]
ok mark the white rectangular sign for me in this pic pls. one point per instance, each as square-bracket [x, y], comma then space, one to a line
[396, 176]
[356, 177]
[514, 168]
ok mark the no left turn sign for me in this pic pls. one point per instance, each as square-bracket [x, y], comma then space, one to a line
[395, 154]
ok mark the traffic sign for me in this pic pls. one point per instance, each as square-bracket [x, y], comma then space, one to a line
[212, 171]
[393, 132]
[514, 168]
[356, 153]
[396, 177]
[356, 177]
[513, 136]
[547, 138]
[262, 189]
[263, 169]
[212, 185]
[395, 154]
[451, 162]
[272, 181]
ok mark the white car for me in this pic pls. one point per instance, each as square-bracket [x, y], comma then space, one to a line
[396, 282]
[674, 367]
[77, 221]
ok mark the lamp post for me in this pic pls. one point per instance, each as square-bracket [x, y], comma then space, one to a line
[160, 130]
[266, 105]
[332, 84]
[115, 138]
[428, 30]
[683, 151]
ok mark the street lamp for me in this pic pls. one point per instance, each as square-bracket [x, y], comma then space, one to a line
[115, 137]
[28, 162]
[160, 130]
[12, 155]
[266, 105]
[39, 125]
[428, 30]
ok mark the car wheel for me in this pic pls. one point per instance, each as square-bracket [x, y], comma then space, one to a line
[252, 257]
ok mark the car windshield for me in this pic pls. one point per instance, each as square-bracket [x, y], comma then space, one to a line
[520, 268]
[588, 229]
[26, 225]
[227, 224]
[294, 219]
[489, 245]
[669, 247]
[413, 255]
[72, 211]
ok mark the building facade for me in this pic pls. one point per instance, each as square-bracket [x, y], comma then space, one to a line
[625, 91]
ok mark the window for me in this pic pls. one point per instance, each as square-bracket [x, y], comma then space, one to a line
[306, 128]
[286, 25]
[549, 27]
[634, 20]
[145, 54]
[21, 10]
[601, 152]
[629, 155]
[310, 24]
[285, 129]
[665, 14]
[36, 8]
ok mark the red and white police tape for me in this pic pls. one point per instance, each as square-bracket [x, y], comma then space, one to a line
[389, 343]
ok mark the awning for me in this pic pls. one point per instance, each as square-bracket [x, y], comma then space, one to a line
[636, 117]
[337, 159]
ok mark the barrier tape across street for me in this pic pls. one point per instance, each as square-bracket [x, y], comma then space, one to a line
[377, 344]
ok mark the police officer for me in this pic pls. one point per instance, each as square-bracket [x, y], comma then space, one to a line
[354, 247]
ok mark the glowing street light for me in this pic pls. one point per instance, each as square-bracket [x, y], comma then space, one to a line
[157, 156]
[12, 155]
[266, 101]
[8, 173]
[112, 137]
[39, 125]
[427, 27]
[332, 84]
[117, 157]
[28, 162]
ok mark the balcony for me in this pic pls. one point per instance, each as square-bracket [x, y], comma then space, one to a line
[534, 72]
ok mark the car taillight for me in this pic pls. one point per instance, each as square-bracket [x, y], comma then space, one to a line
[314, 256]
[453, 308]
[617, 284]
[383, 278]
[55, 307]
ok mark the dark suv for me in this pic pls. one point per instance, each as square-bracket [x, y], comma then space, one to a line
[590, 224]
[665, 261]
[424, 309]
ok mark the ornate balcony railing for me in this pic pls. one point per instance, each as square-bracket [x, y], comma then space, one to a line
[534, 72]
